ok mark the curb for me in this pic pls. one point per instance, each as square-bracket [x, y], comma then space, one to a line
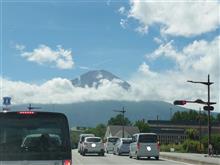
[185, 160]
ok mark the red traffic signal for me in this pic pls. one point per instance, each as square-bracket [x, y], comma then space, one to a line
[179, 102]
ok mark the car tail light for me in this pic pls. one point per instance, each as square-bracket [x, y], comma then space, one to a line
[67, 162]
[158, 146]
[26, 113]
[138, 146]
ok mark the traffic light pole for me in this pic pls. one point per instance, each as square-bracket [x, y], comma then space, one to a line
[206, 108]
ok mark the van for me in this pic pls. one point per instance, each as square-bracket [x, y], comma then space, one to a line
[34, 138]
[144, 145]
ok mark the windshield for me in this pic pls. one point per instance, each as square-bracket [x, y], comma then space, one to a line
[147, 139]
[32, 136]
[126, 141]
[93, 140]
[112, 140]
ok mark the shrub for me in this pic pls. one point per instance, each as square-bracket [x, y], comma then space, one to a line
[193, 146]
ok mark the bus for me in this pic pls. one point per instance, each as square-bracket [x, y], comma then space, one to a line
[34, 138]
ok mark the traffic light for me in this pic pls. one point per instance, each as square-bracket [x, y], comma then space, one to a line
[179, 102]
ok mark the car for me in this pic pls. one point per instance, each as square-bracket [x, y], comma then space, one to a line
[109, 144]
[81, 140]
[33, 137]
[93, 145]
[144, 145]
[122, 146]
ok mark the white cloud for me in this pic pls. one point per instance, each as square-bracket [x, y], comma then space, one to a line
[44, 55]
[121, 10]
[200, 56]
[123, 23]
[182, 18]
[194, 62]
[19, 47]
[145, 69]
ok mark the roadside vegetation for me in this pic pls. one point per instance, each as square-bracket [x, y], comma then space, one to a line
[193, 143]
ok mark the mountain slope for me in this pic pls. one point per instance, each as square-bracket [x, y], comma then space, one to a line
[94, 79]
[94, 112]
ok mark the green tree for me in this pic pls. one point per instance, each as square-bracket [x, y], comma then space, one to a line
[218, 118]
[192, 134]
[142, 126]
[119, 120]
[99, 130]
[215, 140]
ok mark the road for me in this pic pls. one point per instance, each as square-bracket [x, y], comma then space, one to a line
[110, 159]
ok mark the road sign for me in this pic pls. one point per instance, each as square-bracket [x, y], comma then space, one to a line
[208, 108]
[6, 101]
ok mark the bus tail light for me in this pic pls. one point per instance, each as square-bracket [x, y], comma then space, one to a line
[26, 113]
[67, 162]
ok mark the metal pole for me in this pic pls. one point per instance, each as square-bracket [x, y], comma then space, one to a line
[123, 126]
[209, 127]
[200, 144]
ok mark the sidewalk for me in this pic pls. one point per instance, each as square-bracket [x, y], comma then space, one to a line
[192, 158]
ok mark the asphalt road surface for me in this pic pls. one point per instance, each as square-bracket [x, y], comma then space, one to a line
[110, 159]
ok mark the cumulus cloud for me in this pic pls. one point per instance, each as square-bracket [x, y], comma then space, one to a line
[44, 55]
[121, 10]
[183, 18]
[193, 62]
[201, 56]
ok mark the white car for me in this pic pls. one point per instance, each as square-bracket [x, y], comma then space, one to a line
[144, 145]
[81, 139]
[109, 144]
[93, 145]
[122, 146]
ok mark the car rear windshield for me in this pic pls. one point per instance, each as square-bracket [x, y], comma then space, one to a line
[147, 138]
[95, 140]
[33, 136]
[126, 141]
[112, 140]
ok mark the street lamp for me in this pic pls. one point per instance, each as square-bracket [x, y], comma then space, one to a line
[206, 108]
[123, 123]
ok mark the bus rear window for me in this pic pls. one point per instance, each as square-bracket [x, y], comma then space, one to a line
[147, 139]
[33, 137]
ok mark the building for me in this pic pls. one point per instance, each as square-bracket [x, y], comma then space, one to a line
[116, 130]
[175, 132]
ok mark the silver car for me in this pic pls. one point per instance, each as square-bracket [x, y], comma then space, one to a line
[122, 146]
[81, 140]
[109, 144]
[144, 145]
[93, 145]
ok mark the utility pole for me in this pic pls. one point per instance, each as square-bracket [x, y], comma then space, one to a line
[123, 122]
[207, 108]
[200, 129]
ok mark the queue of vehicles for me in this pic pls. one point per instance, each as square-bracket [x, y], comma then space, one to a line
[34, 137]
[140, 145]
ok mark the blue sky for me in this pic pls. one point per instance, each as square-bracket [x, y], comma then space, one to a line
[140, 41]
[97, 40]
